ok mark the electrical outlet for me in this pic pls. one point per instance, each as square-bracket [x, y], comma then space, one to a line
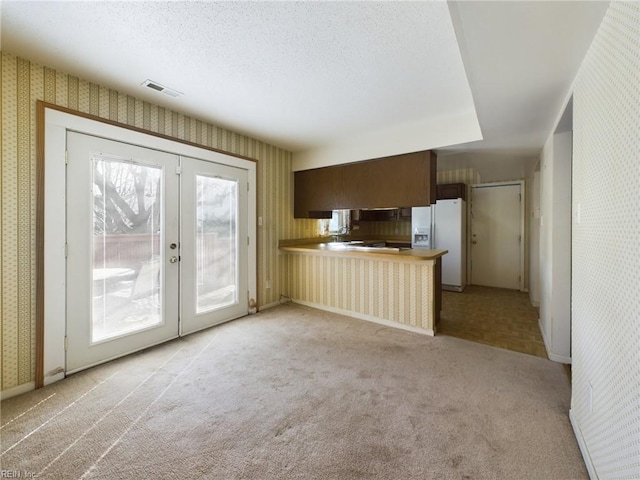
[267, 284]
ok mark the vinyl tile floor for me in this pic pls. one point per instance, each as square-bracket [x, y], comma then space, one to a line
[492, 316]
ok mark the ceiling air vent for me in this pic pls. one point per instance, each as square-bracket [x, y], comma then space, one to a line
[161, 88]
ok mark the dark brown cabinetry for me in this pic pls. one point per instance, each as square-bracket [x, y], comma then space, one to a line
[452, 191]
[386, 215]
[404, 214]
[407, 180]
[378, 215]
[317, 192]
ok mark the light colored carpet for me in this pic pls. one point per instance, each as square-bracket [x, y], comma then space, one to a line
[295, 392]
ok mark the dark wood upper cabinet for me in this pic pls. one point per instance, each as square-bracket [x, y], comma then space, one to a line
[377, 215]
[401, 180]
[315, 191]
[402, 214]
[452, 191]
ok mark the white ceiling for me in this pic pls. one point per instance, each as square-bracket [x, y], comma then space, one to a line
[521, 59]
[331, 81]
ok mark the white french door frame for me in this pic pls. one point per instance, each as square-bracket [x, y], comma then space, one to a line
[56, 125]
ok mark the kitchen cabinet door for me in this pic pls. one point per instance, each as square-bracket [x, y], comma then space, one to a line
[317, 191]
[451, 191]
[401, 180]
[379, 215]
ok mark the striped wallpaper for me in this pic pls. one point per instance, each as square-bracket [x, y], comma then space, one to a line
[394, 291]
[22, 84]
[468, 176]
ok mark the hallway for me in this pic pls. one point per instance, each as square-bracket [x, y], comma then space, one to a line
[492, 316]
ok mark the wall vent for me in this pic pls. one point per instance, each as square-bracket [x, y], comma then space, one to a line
[161, 88]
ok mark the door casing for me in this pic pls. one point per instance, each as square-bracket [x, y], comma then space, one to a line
[51, 306]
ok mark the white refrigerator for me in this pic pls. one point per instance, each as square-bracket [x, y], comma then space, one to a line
[450, 233]
[422, 227]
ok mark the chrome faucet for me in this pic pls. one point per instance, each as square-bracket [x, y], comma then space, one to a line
[338, 236]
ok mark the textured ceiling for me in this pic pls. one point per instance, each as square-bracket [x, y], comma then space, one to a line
[331, 81]
[298, 74]
[521, 58]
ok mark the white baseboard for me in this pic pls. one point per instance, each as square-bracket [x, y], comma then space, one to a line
[19, 390]
[552, 356]
[268, 305]
[558, 358]
[453, 288]
[48, 379]
[368, 318]
[583, 447]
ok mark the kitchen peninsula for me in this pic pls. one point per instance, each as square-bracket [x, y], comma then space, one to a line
[399, 288]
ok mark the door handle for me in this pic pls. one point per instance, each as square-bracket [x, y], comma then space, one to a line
[173, 259]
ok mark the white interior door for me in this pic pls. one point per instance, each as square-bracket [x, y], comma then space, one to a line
[496, 236]
[214, 251]
[122, 275]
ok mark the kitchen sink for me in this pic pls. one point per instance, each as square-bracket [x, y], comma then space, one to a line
[362, 246]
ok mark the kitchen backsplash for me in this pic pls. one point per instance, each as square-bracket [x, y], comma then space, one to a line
[383, 229]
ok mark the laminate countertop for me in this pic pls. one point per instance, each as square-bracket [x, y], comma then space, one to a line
[326, 249]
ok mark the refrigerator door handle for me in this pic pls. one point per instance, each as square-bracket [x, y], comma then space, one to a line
[433, 237]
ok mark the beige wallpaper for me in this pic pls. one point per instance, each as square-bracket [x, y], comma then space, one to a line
[395, 291]
[22, 83]
[605, 404]
[463, 175]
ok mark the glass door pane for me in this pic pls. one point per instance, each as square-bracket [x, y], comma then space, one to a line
[216, 242]
[213, 244]
[126, 273]
[122, 266]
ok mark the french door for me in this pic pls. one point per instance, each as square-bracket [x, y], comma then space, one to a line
[213, 242]
[153, 247]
